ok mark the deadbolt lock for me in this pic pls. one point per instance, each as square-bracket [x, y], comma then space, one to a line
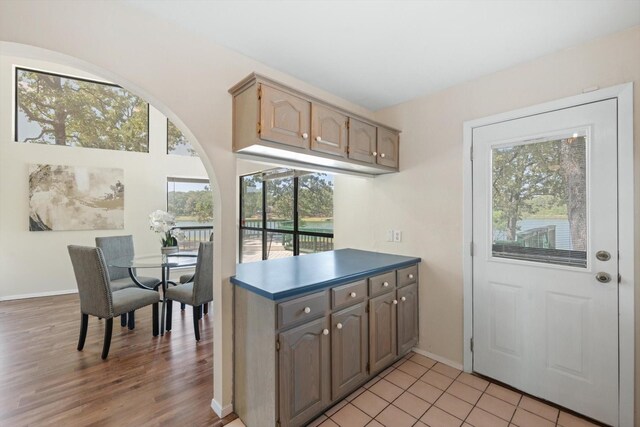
[603, 255]
[603, 277]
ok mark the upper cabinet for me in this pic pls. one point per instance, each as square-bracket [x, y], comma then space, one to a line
[275, 121]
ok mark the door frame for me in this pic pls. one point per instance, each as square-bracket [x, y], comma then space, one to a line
[626, 329]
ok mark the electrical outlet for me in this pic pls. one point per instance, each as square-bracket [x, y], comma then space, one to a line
[390, 235]
[397, 236]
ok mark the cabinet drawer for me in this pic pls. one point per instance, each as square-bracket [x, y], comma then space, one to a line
[382, 283]
[407, 275]
[302, 309]
[346, 295]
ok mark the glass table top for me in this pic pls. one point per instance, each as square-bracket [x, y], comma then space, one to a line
[181, 259]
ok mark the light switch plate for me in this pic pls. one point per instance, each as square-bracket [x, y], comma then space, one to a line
[397, 236]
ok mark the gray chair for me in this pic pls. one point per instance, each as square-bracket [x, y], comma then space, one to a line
[97, 298]
[114, 247]
[197, 292]
[186, 278]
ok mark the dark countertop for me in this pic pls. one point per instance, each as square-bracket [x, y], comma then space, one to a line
[288, 277]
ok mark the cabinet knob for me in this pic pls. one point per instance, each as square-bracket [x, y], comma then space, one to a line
[375, 153]
[307, 310]
[319, 138]
[325, 332]
[395, 301]
[382, 155]
[339, 326]
[305, 135]
[352, 294]
[385, 284]
[403, 299]
[410, 276]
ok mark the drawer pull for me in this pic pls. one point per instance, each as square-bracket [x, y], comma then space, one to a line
[395, 301]
[319, 138]
[325, 332]
[307, 310]
[382, 155]
[352, 294]
[339, 326]
[403, 299]
[410, 276]
[385, 284]
[305, 135]
[375, 153]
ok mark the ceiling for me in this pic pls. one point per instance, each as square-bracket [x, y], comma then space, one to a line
[380, 53]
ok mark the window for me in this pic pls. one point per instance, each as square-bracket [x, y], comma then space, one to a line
[285, 213]
[61, 110]
[191, 202]
[177, 143]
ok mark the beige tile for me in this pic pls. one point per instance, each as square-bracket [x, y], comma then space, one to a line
[394, 417]
[464, 392]
[411, 404]
[386, 372]
[420, 424]
[436, 417]
[374, 423]
[495, 406]
[386, 390]
[539, 408]
[236, 423]
[335, 408]
[524, 418]
[400, 379]
[369, 403]
[355, 394]
[456, 407]
[568, 420]
[425, 391]
[480, 418]
[473, 381]
[447, 370]
[413, 369]
[435, 379]
[371, 382]
[350, 416]
[318, 421]
[423, 360]
[398, 363]
[328, 423]
[504, 394]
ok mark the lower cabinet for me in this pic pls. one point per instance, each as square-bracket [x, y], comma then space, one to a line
[304, 371]
[407, 318]
[382, 331]
[349, 349]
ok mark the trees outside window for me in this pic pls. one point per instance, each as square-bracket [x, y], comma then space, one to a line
[177, 143]
[60, 110]
[190, 201]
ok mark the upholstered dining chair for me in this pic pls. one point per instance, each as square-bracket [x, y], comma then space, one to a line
[186, 278]
[98, 299]
[114, 247]
[197, 292]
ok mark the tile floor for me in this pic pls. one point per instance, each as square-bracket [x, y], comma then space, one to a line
[418, 391]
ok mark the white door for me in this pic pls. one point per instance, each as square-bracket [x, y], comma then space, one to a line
[545, 267]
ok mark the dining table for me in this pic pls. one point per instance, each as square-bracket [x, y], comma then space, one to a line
[164, 262]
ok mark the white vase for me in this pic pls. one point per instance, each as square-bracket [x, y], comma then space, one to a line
[167, 250]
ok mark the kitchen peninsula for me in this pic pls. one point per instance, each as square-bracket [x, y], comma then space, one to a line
[311, 329]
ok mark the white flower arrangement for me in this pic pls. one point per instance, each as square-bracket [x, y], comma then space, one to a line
[164, 223]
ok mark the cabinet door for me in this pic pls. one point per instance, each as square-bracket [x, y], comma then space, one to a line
[328, 131]
[362, 141]
[407, 318]
[349, 349]
[284, 118]
[304, 372]
[388, 142]
[382, 331]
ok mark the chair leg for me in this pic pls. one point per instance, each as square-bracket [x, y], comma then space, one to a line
[182, 306]
[167, 322]
[155, 320]
[84, 324]
[123, 320]
[206, 308]
[196, 317]
[132, 320]
[107, 338]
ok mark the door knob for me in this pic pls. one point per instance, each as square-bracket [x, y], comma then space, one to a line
[319, 138]
[325, 332]
[395, 301]
[603, 277]
[603, 255]
[339, 326]
[382, 155]
[375, 153]
[403, 299]
[305, 135]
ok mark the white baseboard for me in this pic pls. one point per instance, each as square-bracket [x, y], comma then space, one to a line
[438, 358]
[219, 410]
[39, 294]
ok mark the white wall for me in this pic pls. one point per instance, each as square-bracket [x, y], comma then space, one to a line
[37, 262]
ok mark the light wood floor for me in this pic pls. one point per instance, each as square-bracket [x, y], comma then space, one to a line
[146, 381]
